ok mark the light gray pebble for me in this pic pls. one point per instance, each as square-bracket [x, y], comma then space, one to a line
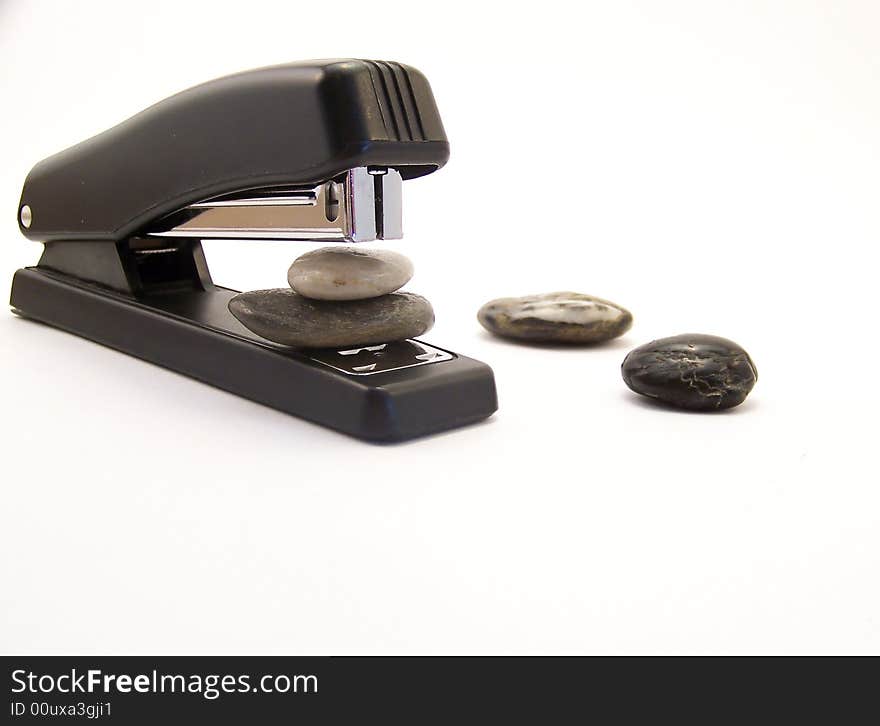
[349, 273]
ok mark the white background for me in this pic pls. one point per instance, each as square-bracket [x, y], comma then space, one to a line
[714, 167]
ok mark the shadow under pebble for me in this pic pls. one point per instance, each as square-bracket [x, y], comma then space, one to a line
[616, 344]
[652, 403]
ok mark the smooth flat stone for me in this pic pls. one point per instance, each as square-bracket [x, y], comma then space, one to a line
[348, 273]
[286, 317]
[555, 317]
[692, 371]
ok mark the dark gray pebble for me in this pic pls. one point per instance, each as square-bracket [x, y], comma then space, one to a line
[283, 316]
[692, 371]
[555, 317]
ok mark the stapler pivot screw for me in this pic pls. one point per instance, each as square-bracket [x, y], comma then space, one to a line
[26, 216]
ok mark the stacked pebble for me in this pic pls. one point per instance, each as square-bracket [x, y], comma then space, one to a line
[339, 296]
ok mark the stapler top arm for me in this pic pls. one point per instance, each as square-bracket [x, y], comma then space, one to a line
[313, 150]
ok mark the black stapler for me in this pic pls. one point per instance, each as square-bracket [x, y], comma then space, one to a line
[306, 151]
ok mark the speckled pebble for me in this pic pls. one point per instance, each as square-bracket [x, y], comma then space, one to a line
[691, 371]
[556, 317]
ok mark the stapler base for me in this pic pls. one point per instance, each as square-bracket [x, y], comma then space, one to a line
[386, 392]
